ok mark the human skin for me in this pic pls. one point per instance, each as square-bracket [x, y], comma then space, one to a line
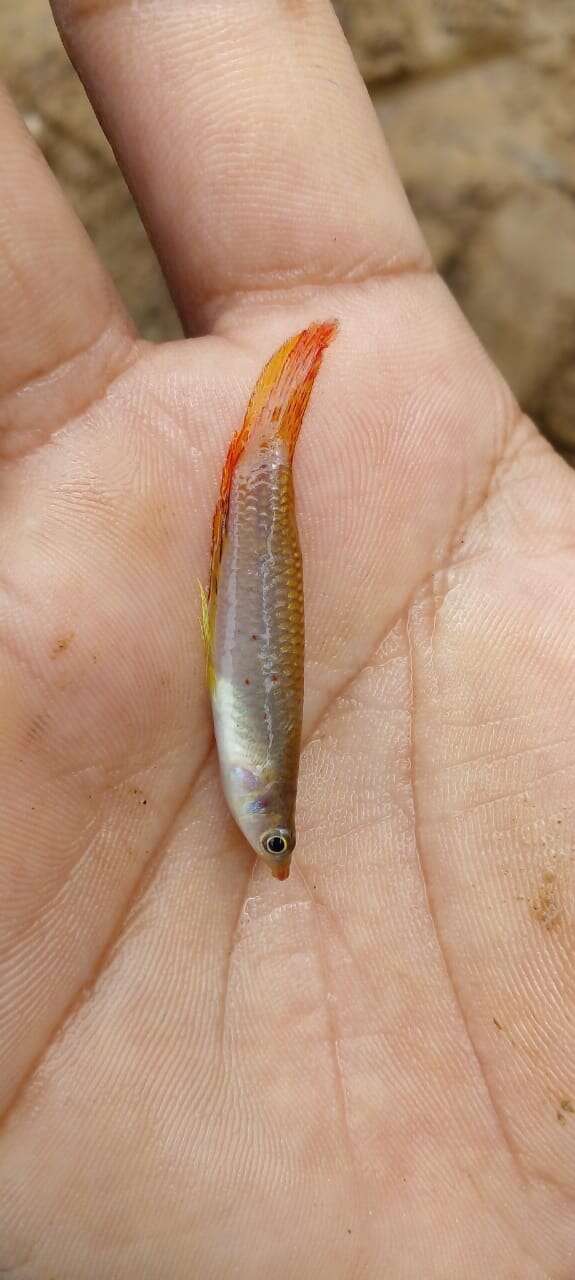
[368, 1070]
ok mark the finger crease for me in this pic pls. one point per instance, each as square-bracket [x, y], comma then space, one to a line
[276, 293]
[17, 442]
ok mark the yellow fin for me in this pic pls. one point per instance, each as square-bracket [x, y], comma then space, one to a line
[205, 618]
[206, 626]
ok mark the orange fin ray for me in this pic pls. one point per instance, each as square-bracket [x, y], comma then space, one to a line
[281, 396]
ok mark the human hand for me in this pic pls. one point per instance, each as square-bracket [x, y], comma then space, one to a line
[366, 1070]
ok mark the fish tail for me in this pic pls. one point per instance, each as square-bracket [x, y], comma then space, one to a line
[279, 400]
[281, 396]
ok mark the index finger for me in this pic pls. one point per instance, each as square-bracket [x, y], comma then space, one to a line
[249, 142]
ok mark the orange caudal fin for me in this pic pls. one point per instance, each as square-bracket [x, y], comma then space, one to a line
[280, 399]
[298, 377]
[276, 409]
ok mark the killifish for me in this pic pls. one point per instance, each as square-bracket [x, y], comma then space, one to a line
[253, 611]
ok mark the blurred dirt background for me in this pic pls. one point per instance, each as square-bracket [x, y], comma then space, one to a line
[477, 99]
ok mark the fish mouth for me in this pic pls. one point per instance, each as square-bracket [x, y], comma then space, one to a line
[279, 870]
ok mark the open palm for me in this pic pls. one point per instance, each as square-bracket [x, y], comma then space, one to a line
[367, 1071]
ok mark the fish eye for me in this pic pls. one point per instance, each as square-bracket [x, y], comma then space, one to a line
[276, 843]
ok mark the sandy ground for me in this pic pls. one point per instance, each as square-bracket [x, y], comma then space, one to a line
[478, 104]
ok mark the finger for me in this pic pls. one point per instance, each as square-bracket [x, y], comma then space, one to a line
[249, 141]
[63, 330]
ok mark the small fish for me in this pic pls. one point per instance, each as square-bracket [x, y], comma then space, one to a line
[252, 613]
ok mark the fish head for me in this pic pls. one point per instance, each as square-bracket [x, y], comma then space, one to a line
[265, 818]
[275, 847]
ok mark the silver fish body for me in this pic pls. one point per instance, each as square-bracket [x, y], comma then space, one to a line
[258, 654]
[253, 614]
